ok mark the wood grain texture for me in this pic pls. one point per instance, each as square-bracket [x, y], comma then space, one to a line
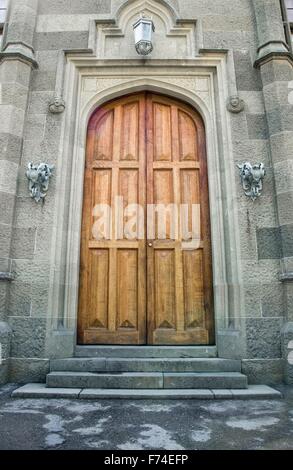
[148, 149]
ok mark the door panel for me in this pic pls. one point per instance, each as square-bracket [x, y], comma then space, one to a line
[154, 287]
[179, 280]
[113, 269]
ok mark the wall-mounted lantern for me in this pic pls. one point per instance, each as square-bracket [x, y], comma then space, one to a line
[143, 32]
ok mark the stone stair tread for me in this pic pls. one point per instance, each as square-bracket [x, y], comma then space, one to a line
[101, 374]
[146, 364]
[105, 380]
[36, 390]
[147, 380]
[145, 374]
[134, 374]
[146, 351]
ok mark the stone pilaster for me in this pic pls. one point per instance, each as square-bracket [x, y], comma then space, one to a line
[16, 62]
[276, 68]
[271, 37]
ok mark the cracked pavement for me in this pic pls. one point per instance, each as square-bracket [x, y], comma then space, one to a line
[31, 424]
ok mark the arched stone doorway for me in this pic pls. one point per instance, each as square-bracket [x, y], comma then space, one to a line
[154, 286]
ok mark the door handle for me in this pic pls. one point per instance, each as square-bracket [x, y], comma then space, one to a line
[150, 244]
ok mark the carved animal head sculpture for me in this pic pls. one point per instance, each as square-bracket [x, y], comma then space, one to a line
[252, 179]
[39, 177]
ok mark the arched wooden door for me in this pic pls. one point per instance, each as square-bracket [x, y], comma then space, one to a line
[142, 278]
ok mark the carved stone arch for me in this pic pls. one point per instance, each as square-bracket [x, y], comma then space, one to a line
[172, 89]
[132, 3]
[90, 82]
[173, 39]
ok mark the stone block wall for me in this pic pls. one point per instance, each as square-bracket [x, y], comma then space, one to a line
[38, 32]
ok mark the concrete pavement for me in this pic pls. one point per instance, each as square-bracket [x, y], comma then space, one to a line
[145, 424]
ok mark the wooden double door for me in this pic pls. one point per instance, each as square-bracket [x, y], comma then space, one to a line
[146, 262]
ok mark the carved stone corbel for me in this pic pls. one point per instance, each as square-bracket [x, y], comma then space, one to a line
[252, 179]
[39, 177]
[235, 104]
[57, 105]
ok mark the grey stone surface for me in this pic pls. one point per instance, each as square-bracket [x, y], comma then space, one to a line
[173, 365]
[275, 242]
[60, 344]
[61, 40]
[78, 365]
[5, 232]
[287, 240]
[145, 351]
[276, 71]
[90, 394]
[15, 72]
[19, 299]
[74, 7]
[263, 337]
[285, 205]
[269, 243]
[263, 371]
[231, 344]
[273, 300]
[28, 337]
[212, 380]
[12, 145]
[23, 242]
[7, 202]
[283, 177]
[247, 77]
[43, 81]
[3, 292]
[280, 119]
[28, 370]
[34, 390]
[22, 22]
[287, 351]
[276, 95]
[145, 365]
[282, 145]
[4, 372]
[100, 380]
[257, 391]
[27, 270]
[5, 340]
[257, 126]
[148, 424]
[12, 90]
[41, 391]
[223, 394]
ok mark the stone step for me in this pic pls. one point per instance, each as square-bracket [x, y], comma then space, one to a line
[146, 351]
[101, 380]
[145, 365]
[41, 391]
[210, 380]
[147, 380]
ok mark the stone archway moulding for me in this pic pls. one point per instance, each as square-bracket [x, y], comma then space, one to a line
[87, 79]
[90, 83]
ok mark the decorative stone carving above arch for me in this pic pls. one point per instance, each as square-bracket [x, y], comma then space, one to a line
[174, 38]
[170, 5]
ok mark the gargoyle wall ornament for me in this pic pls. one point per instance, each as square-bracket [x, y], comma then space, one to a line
[235, 104]
[39, 177]
[252, 179]
[57, 105]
